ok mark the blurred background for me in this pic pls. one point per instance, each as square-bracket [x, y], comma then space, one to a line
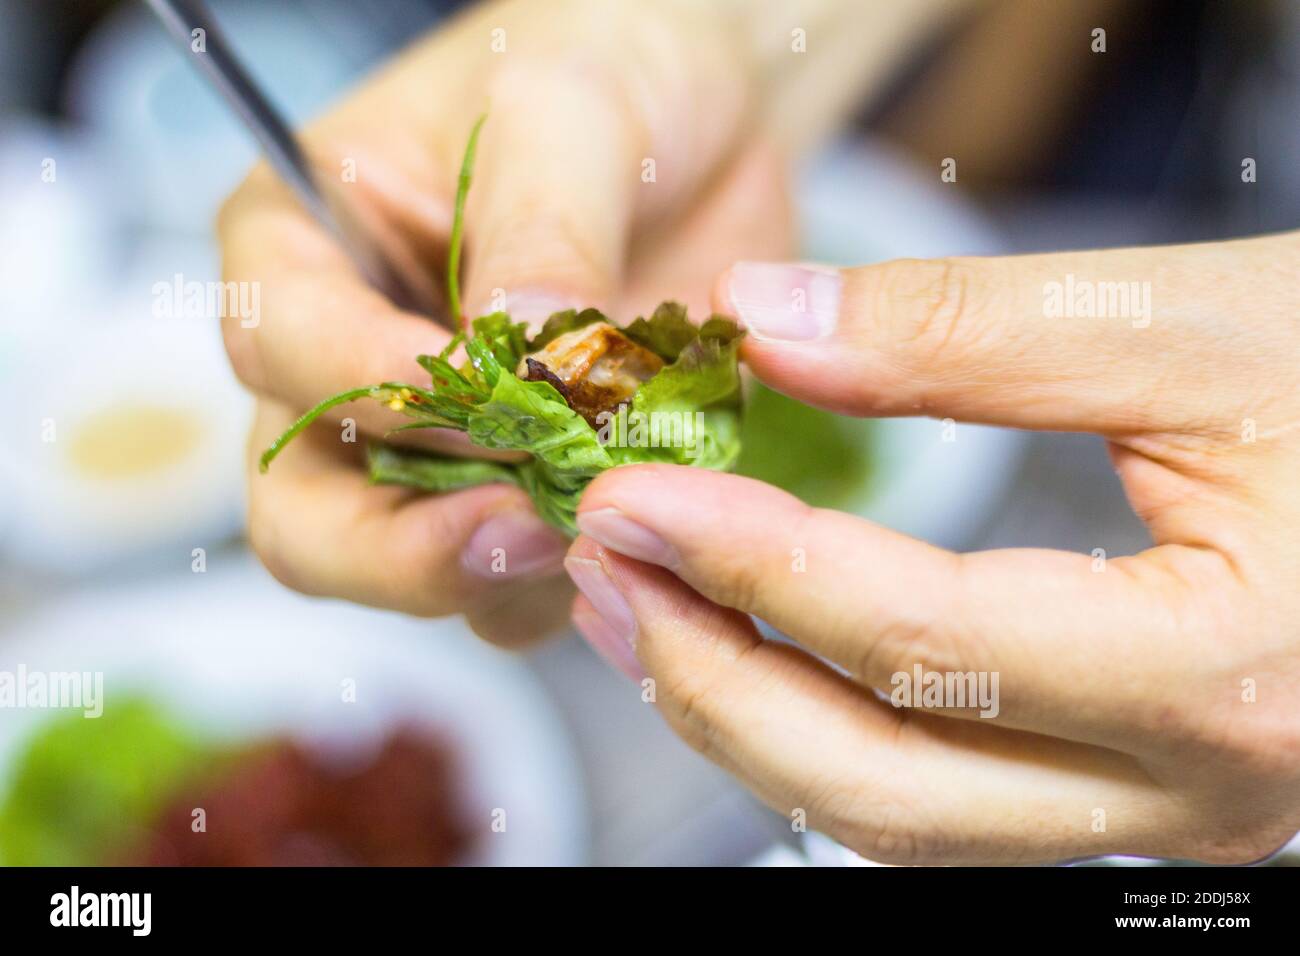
[310, 720]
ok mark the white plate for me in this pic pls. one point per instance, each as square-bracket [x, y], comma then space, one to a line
[239, 657]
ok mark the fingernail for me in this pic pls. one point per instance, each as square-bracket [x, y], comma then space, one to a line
[514, 544]
[786, 303]
[620, 533]
[594, 583]
[605, 641]
[531, 306]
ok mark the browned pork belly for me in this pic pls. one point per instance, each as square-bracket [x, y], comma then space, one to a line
[596, 368]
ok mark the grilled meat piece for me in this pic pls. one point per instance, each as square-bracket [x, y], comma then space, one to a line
[596, 368]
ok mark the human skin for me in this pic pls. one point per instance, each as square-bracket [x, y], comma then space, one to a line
[560, 215]
[579, 95]
[1122, 689]
[1148, 704]
[563, 213]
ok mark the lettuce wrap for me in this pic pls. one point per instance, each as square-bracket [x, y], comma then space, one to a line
[581, 396]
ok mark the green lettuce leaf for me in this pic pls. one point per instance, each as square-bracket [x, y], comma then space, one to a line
[691, 409]
[567, 453]
[433, 473]
[688, 413]
[80, 788]
[666, 332]
[508, 340]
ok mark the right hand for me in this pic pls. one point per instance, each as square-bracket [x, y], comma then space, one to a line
[583, 94]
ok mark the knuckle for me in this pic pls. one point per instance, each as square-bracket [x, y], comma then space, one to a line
[1256, 737]
[246, 196]
[932, 308]
[234, 222]
[689, 694]
[911, 633]
[1242, 846]
[1254, 745]
[734, 582]
[242, 348]
[748, 578]
[513, 625]
[425, 554]
[894, 648]
[889, 844]
[241, 342]
[1258, 740]
[928, 297]
[1250, 757]
[264, 538]
[683, 701]
[872, 822]
[228, 213]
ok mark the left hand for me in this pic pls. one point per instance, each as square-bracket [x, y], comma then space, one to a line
[1146, 705]
[561, 214]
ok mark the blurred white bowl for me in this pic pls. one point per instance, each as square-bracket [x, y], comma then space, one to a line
[240, 658]
[178, 147]
[60, 239]
[125, 442]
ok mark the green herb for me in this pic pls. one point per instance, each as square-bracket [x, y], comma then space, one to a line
[437, 473]
[665, 333]
[822, 458]
[81, 788]
[458, 221]
[696, 393]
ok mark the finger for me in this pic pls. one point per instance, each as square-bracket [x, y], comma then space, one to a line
[896, 785]
[1115, 342]
[578, 146]
[881, 605]
[605, 640]
[553, 195]
[322, 529]
[307, 299]
[522, 612]
[746, 212]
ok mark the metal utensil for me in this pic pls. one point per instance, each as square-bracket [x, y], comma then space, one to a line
[223, 70]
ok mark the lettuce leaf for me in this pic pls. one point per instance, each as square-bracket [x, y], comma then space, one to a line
[688, 413]
[433, 473]
[666, 333]
[699, 394]
[80, 787]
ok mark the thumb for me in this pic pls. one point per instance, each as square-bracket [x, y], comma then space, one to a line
[550, 210]
[1110, 341]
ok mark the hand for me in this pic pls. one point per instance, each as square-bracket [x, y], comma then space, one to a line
[1145, 705]
[564, 212]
